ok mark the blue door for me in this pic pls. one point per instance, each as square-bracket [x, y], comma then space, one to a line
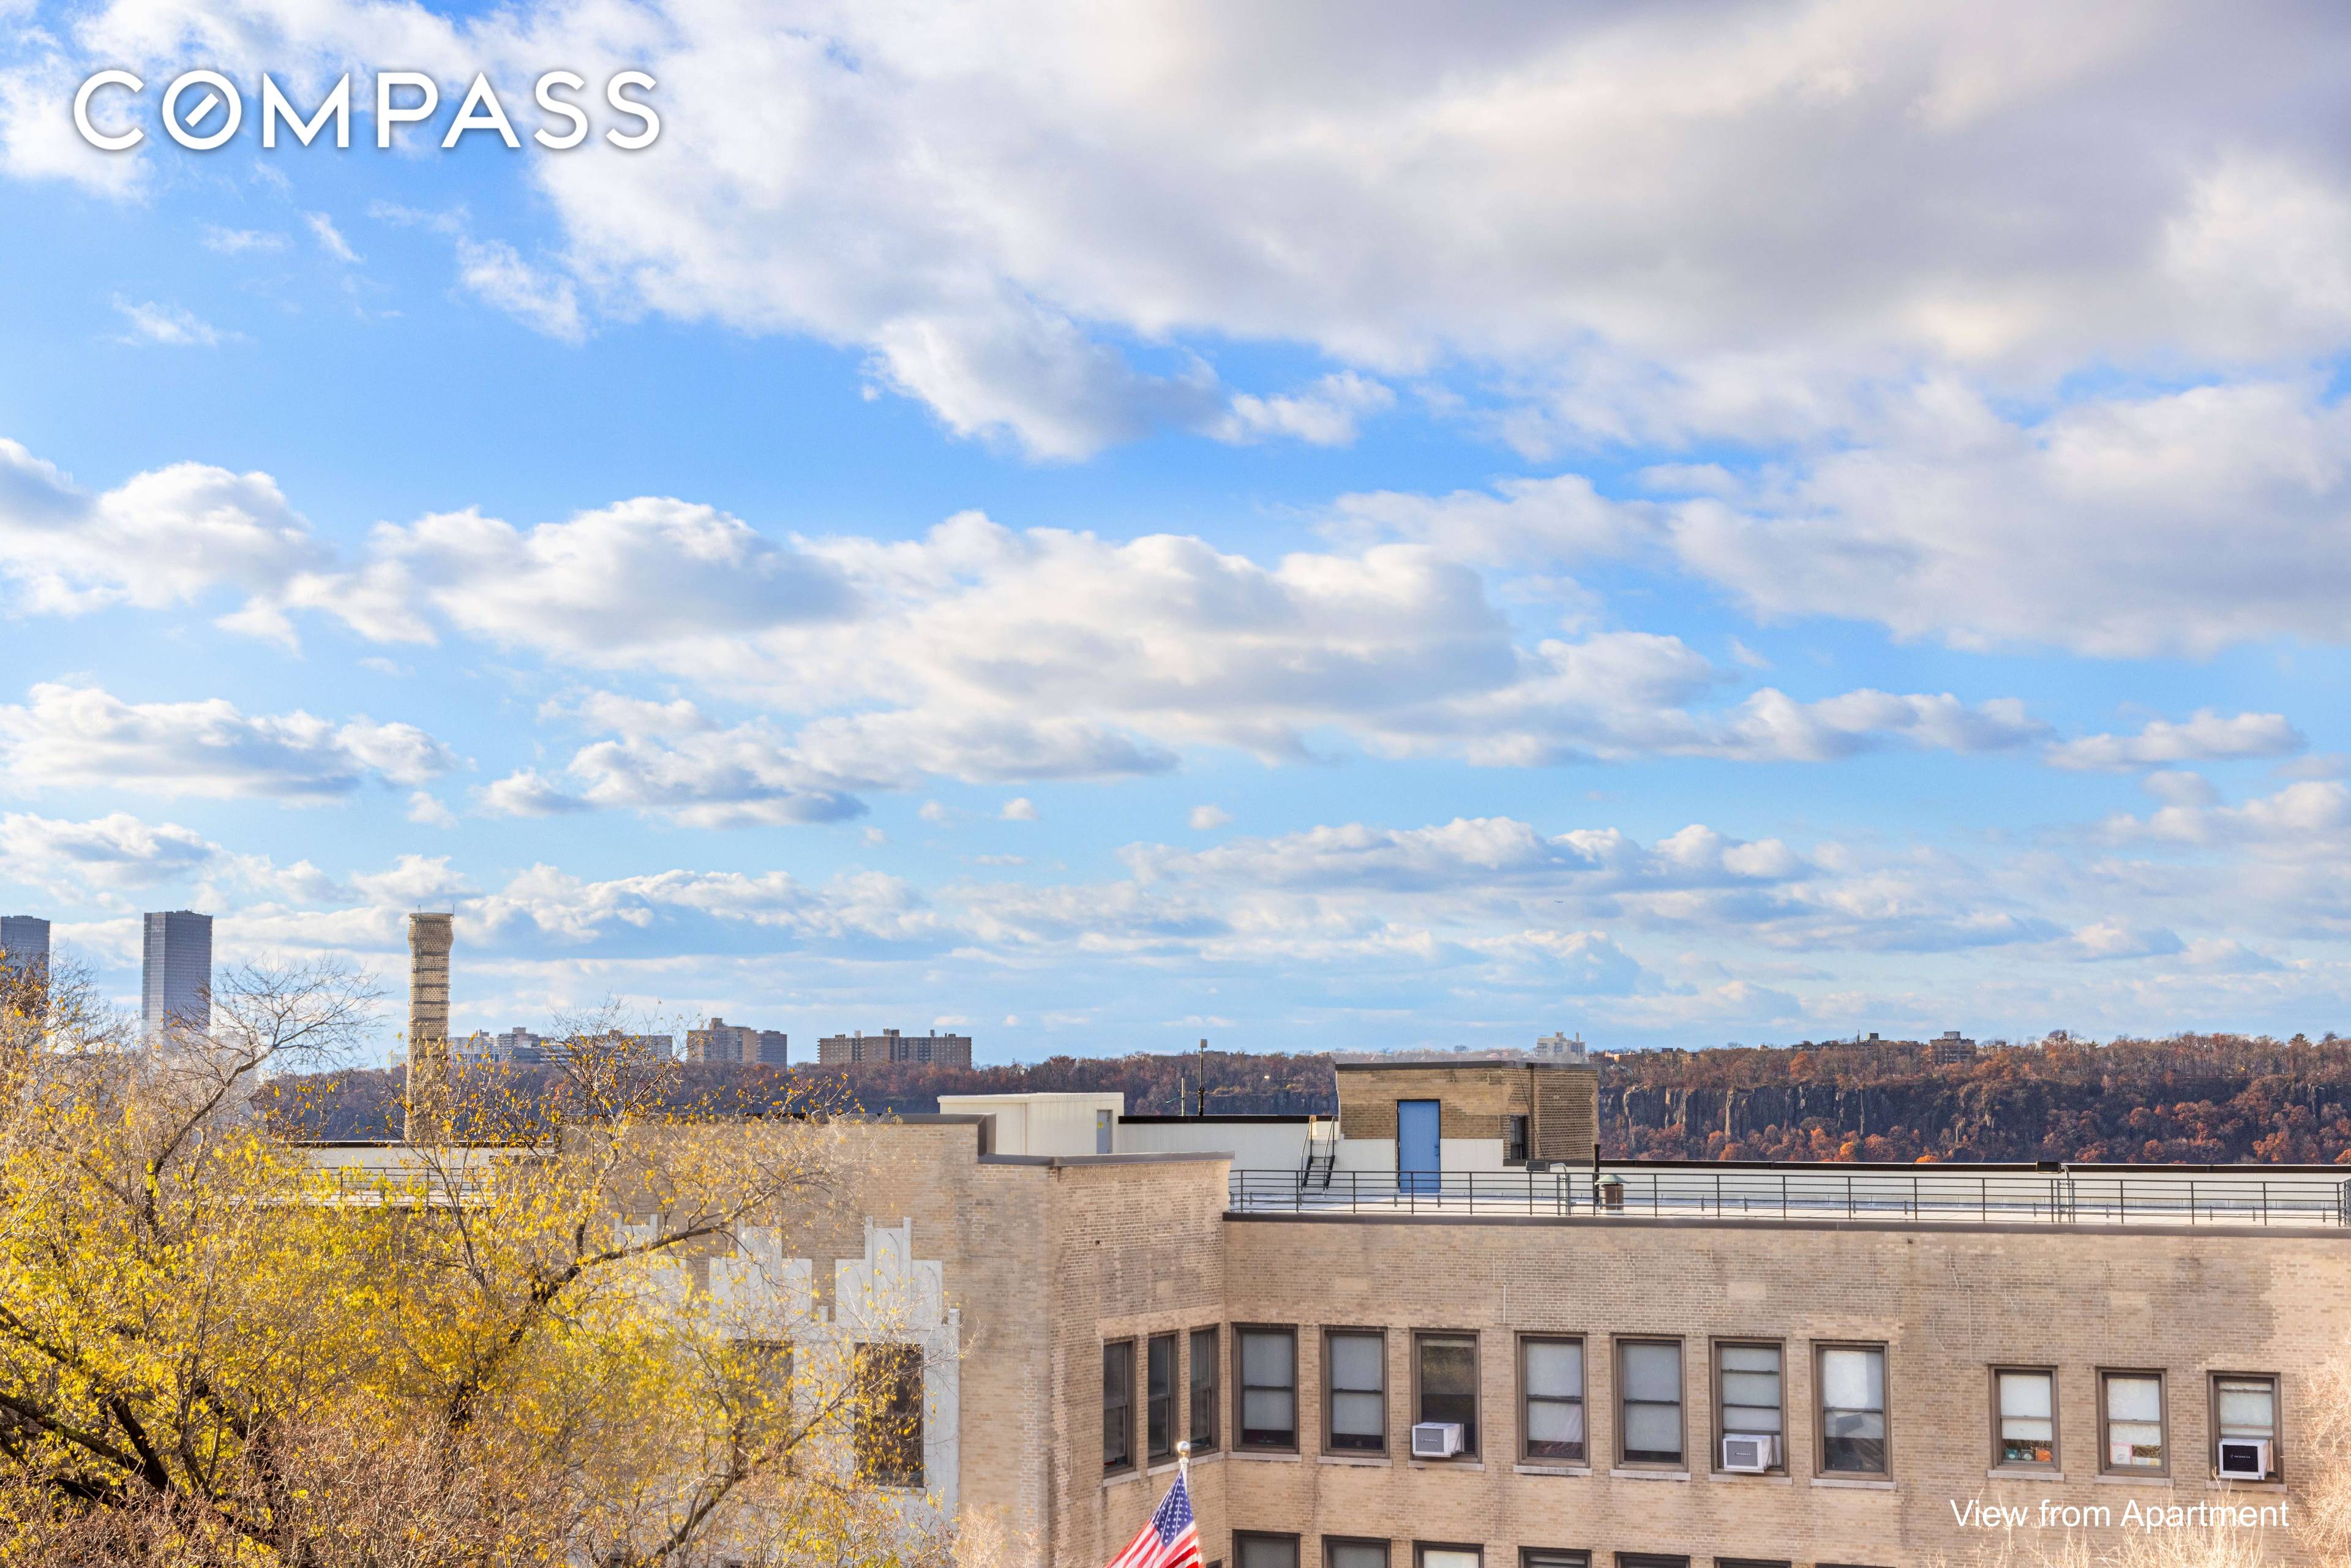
[1417, 1163]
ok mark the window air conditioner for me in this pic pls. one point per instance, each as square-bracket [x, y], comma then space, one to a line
[1436, 1439]
[1751, 1453]
[2244, 1458]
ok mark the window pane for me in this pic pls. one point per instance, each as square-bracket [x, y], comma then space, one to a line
[1359, 1555]
[1355, 1361]
[1751, 1358]
[1853, 1410]
[2135, 1423]
[1204, 1390]
[2025, 1394]
[1554, 1369]
[1357, 1420]
[1260, 1553]
[2134, 1399]
[1439, 1557]
[2027, 1430]
[889, 1428]
[2248, 1407]
[1267, 1358]
[1653, 1372]
[1118, 1407]
[1534, 1557]
[1269, 1388]
[1448, 1385]
[1159, 1413]
[1852, 1379]
[1554, 1428]
[1266, 1416]
[1652, 1432]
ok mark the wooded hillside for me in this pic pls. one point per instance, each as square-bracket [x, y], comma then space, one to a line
[2196, 1099]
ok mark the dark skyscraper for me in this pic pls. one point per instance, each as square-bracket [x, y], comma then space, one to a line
[176, 981]
[25, 943]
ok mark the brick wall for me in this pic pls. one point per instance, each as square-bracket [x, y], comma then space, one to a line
[1474, 1097]
[1949, 1304]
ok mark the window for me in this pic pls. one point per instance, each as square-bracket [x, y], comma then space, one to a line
[1550, 1395]
[1649, 1414]
[1268, 1380]
[1159, 1397]
[1356, 1378]
[1551, 1557]
[1853, 1409]
[1749, 1394]
[1118, 1405]
[1205, 1355]
[2131, 1409]
[1339, 1553]
[1514, 1140]
[1444, 1382]
[2024, 1418]
[889, 1428]
[1264, 1551]
[2244, 1408]
[1429, 1554]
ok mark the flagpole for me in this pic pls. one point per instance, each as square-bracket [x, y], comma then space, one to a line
[1183, 1465]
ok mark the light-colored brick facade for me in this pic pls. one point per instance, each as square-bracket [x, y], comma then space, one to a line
[1049, 1258]
[1477, 1100]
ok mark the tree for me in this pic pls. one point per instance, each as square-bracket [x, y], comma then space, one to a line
[215, 1348]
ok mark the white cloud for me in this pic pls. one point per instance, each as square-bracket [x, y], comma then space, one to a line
[331, 239]
[1208, 819]
[2125, 527]
[237, 242]
[2207, 737]
[168, 325]
[427, 811]
[601, 588]
[1325, 414]
[1016, 220]
[83, 736]
[107, 855]
[166, 537]
[526, 793]
[973, 651]
[496, 273]
[1019, 809]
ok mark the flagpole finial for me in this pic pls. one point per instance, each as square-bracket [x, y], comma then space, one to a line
[1183, 1462]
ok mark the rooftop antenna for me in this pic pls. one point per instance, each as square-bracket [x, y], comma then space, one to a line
[1204, 1079]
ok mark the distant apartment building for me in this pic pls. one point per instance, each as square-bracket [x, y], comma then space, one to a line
[739, 1043]
[175, 989]
[25, 943]
[520, 1047]
[1948, 1046]
[858, 1049]
[1560, 1048]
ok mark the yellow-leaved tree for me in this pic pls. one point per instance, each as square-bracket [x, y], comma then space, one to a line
[221, 1346]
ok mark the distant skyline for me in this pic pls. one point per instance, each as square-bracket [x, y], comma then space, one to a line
[1315, 527]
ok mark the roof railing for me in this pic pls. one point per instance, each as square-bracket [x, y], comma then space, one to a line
[1943, 1197]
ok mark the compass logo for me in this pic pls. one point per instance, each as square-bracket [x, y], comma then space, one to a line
[202, 109]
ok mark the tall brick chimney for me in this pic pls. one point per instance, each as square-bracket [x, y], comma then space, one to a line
[430, 937]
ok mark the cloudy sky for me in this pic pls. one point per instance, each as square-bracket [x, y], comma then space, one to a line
[1103, 525]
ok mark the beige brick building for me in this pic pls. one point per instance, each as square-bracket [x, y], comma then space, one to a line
[1598, 1348]
[1639, 1366]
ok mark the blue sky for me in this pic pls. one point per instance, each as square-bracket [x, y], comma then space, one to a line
[1740, 523]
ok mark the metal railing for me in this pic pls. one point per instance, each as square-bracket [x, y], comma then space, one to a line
[2063, 1198]
[398, 1186]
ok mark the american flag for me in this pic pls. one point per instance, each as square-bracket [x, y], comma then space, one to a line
[1169, 1539]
